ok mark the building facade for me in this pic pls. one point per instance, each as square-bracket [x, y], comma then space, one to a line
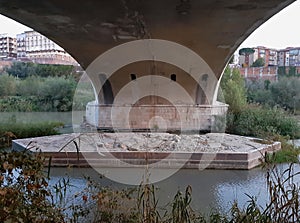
[39, 49]
[32, 46]
[272, 57]
[294, 57]
[8, 47]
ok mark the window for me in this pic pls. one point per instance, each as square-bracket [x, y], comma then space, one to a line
[173, 77]
[133, 76]
[204, 77]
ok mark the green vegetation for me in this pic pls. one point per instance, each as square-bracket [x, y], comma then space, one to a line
[39, 94]
[284, 93]
[84, 94]
[246, 51]
[24, 190]
[11, 130]
[260, 62]
[262, 122]
[26, 196]
[267, 118]
[233, 89]
[26, 87]
[24, 70]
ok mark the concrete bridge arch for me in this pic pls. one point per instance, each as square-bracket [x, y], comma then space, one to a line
[87, 29]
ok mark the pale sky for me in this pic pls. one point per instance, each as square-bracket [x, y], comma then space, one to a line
[281, 31]
[11, 27]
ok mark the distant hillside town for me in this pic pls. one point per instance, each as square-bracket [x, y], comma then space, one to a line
[266, 63]
[32, 46]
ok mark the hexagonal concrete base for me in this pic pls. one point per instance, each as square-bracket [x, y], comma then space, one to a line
[160, 150]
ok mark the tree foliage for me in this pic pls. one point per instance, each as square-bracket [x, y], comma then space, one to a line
[7, 85]
[260, 62]
[36, 93]
[284, 93]
[246, 51]
[233, 88]
[23, 70]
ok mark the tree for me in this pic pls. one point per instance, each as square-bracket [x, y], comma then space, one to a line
[21, 70]
[281, 71]
[292, 71]
[24, 70]
[7, 85]
[286, 93]
[233, 88]
[260, 62]
[246, 52]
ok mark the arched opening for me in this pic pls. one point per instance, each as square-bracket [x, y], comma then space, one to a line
[106, 93]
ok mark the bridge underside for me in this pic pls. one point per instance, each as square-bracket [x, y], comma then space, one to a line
[137, 52]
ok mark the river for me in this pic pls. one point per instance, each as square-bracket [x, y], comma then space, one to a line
[211, 188]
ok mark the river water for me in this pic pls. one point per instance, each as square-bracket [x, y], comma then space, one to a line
[211, 188]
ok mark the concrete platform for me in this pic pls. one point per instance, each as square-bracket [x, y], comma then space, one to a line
[161, 150]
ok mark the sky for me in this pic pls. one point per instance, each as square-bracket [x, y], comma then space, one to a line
[278, 32]
[11, 27]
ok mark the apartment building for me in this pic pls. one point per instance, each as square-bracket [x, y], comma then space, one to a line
[33, 46]
[8, 47]
[39, 49]
[294, 57]
[269, 55]
[284, 57]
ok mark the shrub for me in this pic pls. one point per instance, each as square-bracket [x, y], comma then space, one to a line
[24, 191]
[24, 70]
[10, 130]
[7, 85]
[29, 86]
[286, 93]
[18, 103]
[41, 94]
[259, 122]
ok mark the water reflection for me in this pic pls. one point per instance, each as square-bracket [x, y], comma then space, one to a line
[211, 188]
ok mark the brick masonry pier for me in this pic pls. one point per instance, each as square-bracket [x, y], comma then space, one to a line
[158, 150]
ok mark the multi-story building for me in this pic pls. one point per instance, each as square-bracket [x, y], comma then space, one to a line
[283, 57]
[274, 59]
[33, 46]
[294, 57]
[39, 49]
[8, 48]
[21, 47]
[269, 55]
